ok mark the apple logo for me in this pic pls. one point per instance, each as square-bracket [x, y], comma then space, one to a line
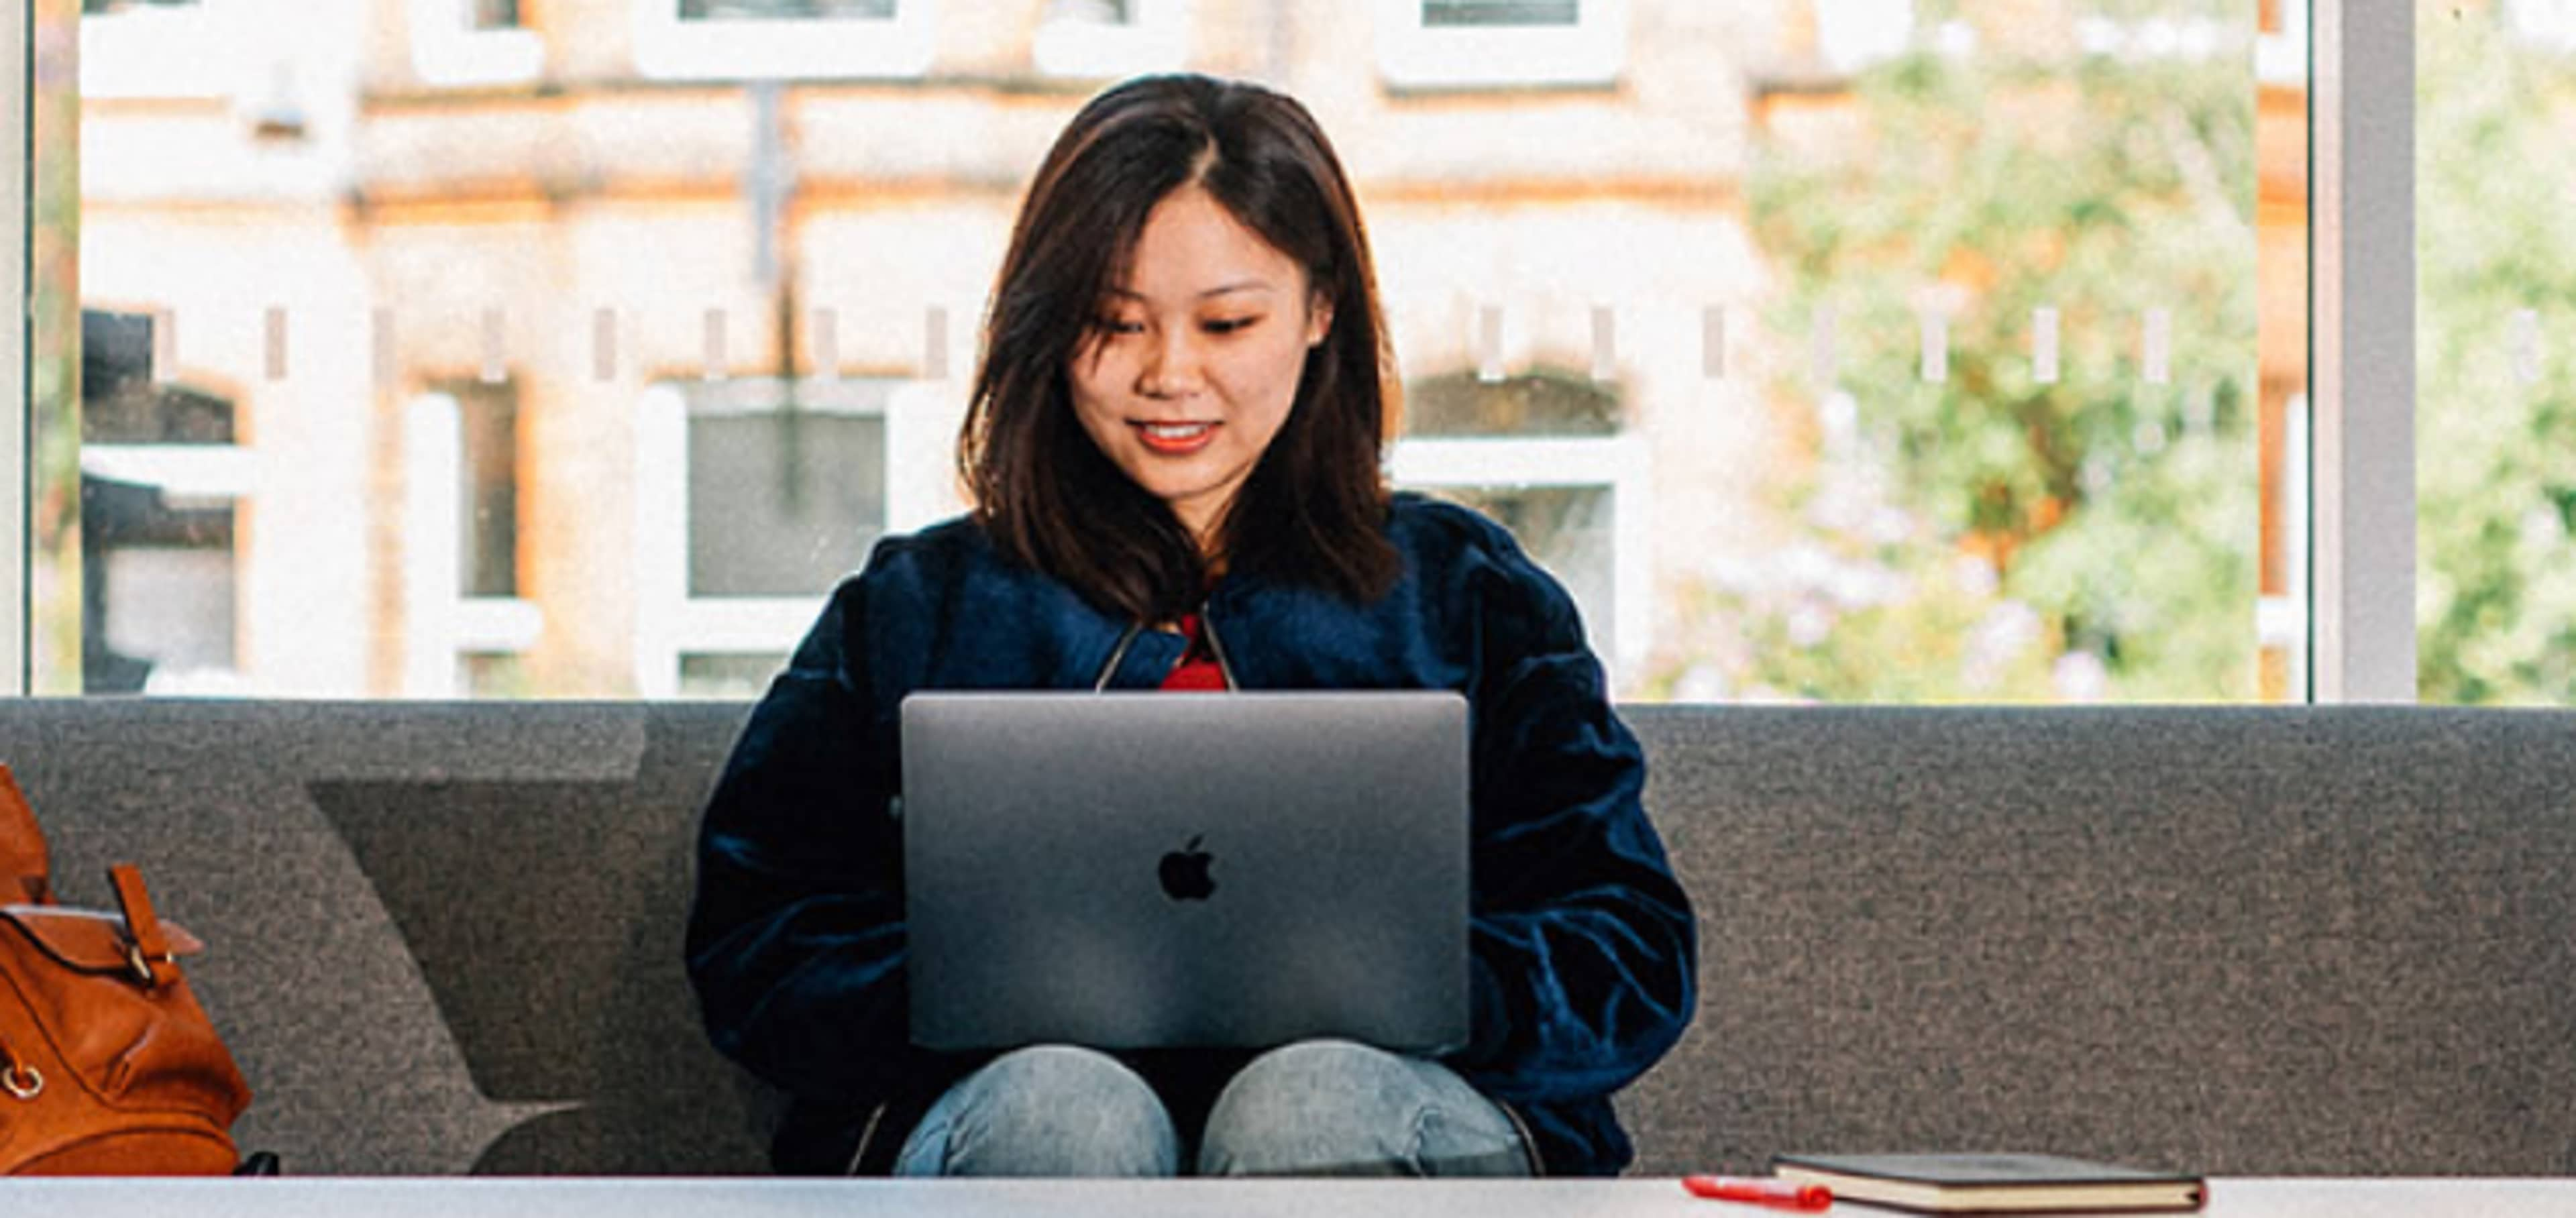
[1184, 873]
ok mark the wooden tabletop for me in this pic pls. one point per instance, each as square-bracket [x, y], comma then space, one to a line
[763, 1198]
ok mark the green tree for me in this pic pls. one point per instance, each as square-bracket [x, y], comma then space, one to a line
[1996, 535]
[2495, 419]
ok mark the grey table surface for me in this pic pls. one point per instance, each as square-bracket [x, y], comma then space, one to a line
[665, 1198]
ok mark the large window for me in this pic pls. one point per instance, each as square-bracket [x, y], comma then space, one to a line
[160, 478]
[2496, 421]
[1453, 43]
[1849, 350]
[154, 48]
[1111, 38]
[2024, 264]
[755, 495]
[473, 43]
[1549, 454]
[756, 39]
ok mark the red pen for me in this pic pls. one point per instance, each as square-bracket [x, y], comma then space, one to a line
[1782, 1194]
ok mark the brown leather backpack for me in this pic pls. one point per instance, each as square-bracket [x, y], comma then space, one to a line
[107, 1064]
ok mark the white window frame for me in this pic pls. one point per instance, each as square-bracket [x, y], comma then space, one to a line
[2361, 349]
[671, 622]
[794, 49]
[1156, 41]
[441, 624]
[153, 52]
[186, 475]
[448, 52]
[1622, 463]
[1594, 50]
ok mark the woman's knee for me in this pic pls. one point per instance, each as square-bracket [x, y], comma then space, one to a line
[1047, 1110]
[1335, 1107]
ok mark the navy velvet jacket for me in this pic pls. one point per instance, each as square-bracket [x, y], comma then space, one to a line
[1583, 943]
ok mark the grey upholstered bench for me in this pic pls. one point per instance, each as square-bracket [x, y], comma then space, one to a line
[445, 937]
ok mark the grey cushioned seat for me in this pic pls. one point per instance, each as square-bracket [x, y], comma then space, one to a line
[445, 937]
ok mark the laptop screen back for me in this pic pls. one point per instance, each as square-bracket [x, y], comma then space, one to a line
[1147, 870]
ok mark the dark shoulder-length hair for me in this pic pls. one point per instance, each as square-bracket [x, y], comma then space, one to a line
[1314, 508]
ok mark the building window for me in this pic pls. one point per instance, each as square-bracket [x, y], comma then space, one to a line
[786, 10]
[159, 479]
[1105, 39]
[736, 675]
[465, 623]
[1501, 43]
[751, 507]
[770, 39]
[488, 502]
[154, 48]
[1545, 454]
[1462, 13]
[464, 43]
[782, 501]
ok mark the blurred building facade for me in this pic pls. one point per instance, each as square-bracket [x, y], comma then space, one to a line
[573, 347]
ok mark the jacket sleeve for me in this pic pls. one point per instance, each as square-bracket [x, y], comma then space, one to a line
[796, 938]
[1584, 944]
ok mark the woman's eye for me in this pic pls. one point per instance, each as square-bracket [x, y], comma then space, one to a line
[1112, 325]
[1228, 325]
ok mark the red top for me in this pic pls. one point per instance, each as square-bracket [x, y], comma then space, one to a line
[1198, 671]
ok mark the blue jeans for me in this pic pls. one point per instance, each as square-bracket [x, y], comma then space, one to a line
[1315, 1108]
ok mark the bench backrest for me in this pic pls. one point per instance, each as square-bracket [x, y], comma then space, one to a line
[445, 937]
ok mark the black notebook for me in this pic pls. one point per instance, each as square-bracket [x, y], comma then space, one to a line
[1994, 1183]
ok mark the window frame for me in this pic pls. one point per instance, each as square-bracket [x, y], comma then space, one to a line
[447, 52]
[672, 621]
[1620, 462]
[157, 53]
[1156, 41]
[2361, 350]
[810, 48]
[1412, 54]
[443, 623]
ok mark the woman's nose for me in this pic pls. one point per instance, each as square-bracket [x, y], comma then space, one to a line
[1171, 366]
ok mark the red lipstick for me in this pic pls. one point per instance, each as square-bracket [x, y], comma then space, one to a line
[1176, 439]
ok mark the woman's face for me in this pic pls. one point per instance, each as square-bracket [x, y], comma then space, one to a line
[1192, 365]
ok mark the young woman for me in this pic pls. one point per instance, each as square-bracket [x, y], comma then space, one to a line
[1173, 450]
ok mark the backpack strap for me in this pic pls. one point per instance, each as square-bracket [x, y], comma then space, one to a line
[145, 944]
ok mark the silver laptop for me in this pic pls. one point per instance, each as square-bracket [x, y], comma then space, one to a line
[1151, 870]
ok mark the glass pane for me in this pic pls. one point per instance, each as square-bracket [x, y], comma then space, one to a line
[728, 676]
[120, 401]
[782, 503]
[495, 675]
[1500, 12]
[2016, 389]
[1098, 12]
[793, 10]
[1893, 350]
[160, 582]
[1542, 403]
[1568, 529]
[488, 494]
[2495, 420]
